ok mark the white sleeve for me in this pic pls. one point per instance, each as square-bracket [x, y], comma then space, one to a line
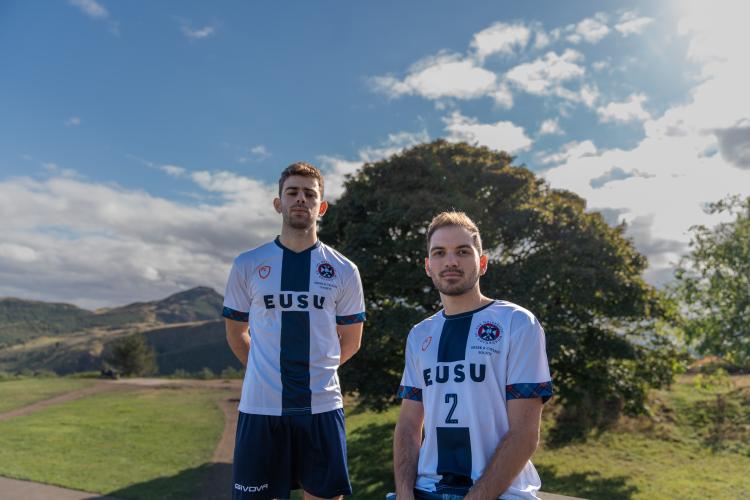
[528, 373]
[350, 306]
[411, 380]
[237, 298]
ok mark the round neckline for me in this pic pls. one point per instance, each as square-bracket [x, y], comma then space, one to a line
[467, 313]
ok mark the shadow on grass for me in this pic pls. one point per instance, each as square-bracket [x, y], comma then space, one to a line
[206, 482]
[588, 484]
[371, 461]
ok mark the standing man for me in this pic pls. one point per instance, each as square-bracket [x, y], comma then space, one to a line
[305, 308]
[475, 378]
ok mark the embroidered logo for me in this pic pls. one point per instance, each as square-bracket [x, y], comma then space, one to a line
[264, 272]
[426, 343]
[489, 333]
[326, 271]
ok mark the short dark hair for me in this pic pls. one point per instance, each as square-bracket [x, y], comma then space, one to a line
[302, 169]
[459, 219]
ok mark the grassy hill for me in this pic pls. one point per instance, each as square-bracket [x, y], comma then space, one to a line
[65, 339]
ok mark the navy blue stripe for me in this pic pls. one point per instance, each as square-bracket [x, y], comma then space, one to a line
[454, 460]
[453, 339]
[296, 396]
[232, 314]
[294, 361]
[351, 319]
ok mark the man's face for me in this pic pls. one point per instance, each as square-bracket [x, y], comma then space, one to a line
[453, 263]
[300, 202]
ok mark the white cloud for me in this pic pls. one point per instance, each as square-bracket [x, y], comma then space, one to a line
[173, 170]
[500, 38]
[502, 135]
[591, 29]
[260, 152]
[631, 24]
[91, 8]
[660, 186]
[542, 76]
[72, 121]
[550, 126]
[440, 76]
[589, 94]
[571, 150]
[196, 33]
[101, 245]
[626, 111]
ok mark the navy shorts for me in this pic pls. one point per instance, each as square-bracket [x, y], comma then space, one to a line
[276, 454]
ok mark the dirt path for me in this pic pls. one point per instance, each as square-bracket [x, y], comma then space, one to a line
[13, 489]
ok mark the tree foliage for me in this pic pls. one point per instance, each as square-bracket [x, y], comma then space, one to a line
[580, 276]
[132, 355]
[714, 284]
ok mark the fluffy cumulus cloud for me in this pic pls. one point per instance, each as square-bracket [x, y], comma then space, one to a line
[591, 29]
[693, 154]
[546, 74]
[101, 245]
[503, 135]
[550, 126]
[632, 24]
[440, 76]
[629, 110]
[501, 38]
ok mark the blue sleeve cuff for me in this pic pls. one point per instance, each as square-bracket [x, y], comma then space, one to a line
[351, 319]
[527, 391]
[230, 313]
[407, 392]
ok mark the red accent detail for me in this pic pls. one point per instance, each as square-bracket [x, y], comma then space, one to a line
[426, 343]
[264, 272]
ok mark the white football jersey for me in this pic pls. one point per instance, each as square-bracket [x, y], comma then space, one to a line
[293, 302]
[464, 368]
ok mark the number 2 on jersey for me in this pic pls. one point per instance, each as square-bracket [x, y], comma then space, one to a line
[454, 398]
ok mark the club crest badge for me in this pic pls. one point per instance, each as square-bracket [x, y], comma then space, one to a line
[426, 343]
[489, 333]
[326, 271]
[264, 272]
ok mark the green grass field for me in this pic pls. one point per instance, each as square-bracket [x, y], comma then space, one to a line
[17, 393]
[155, 443]
[141, 444]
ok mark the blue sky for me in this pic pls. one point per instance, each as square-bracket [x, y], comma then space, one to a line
[140, 141]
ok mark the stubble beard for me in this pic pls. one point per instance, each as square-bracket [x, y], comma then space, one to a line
[298, 223]
[456, 289]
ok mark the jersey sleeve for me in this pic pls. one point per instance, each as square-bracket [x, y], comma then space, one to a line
[237, 299]
[411, 382]
[528, 369]
[350, 306]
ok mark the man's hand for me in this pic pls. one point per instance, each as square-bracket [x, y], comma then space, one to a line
[350, 338]
[406, 442]
[238, 338]
[514, 450]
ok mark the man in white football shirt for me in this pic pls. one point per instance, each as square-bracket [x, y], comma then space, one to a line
[304, 306]
[475, 379]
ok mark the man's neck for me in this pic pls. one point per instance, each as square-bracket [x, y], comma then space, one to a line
[298, 240]
[469, 301]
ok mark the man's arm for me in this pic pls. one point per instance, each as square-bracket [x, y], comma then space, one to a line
[406, 442]
[238, 338]
[350, 338]
[514, 450]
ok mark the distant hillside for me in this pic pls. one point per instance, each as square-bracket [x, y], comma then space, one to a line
[25, 320]
[192, 348]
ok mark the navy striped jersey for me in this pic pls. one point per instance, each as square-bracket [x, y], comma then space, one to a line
[464, 368]
[293, 302]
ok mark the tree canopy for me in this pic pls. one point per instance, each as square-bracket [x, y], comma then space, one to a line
[714, 285]
[578, 275]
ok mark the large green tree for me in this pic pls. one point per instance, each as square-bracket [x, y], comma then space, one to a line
[580, 276]
[714, 285]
